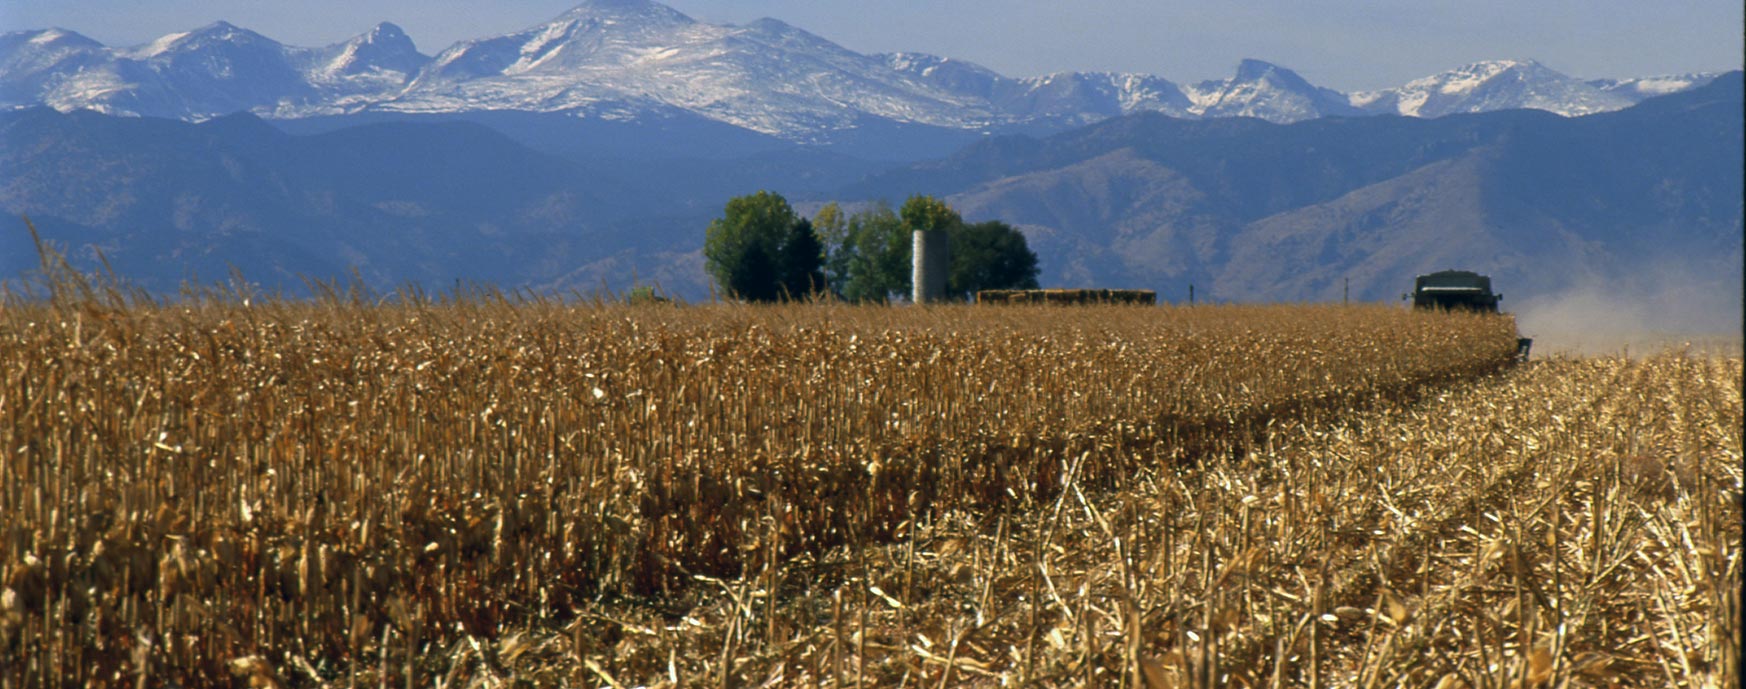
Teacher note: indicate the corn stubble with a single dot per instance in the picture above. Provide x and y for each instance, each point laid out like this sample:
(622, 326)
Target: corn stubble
(483, 491)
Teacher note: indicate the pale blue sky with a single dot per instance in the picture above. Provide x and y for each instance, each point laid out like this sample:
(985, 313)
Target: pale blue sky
(1344, 44)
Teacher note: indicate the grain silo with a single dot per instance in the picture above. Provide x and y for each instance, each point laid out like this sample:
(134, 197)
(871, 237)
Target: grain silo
(928, 274)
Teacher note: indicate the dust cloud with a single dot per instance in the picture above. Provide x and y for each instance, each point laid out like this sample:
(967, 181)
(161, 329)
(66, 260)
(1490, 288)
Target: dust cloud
(1638, 312)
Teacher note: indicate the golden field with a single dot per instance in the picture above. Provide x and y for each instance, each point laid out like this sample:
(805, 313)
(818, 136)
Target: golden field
(510, 492)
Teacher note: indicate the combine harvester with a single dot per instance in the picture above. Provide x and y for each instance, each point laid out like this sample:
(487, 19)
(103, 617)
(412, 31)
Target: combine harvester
(1461, 290)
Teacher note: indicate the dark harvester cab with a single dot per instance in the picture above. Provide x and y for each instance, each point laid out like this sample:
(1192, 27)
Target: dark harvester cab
(1461, 290)
(1454, 289)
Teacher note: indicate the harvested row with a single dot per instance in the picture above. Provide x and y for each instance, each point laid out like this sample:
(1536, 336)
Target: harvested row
(1573, 524)
(324, 487)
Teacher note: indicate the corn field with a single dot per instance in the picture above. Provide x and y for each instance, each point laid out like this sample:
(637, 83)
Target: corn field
(492, 491)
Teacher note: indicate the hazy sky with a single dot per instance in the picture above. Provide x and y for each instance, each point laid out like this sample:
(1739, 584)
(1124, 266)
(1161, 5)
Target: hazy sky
(1344, 44)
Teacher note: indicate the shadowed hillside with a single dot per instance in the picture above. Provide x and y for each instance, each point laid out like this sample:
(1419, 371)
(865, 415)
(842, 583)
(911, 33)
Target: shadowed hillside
(1249, 210)
(1242, 208)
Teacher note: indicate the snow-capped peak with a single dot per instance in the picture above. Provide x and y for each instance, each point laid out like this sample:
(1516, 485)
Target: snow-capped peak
(1492, 85)
(577, 37)
(218, 32)
(45, 41)
(1250, 69)
(216, 35)
(1466, 79)
(384, 47)
(385, 33)
(960, 76)
(50, 36)
(32, 62)
(615, 11)
(1267, 91)
(158, 46)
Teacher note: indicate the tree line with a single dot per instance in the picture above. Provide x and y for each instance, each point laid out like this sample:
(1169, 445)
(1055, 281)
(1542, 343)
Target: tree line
(762, 250)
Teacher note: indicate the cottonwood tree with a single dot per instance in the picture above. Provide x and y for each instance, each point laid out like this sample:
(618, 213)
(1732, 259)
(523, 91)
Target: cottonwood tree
(989, 255)
(760, 250)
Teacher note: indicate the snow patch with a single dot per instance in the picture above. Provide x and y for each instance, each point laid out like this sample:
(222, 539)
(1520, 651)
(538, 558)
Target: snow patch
(161, 45)
(1364, 99)
(1413, 104)
(1661, 86)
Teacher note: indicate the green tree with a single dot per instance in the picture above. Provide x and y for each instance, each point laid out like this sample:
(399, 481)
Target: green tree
(928, 214)
(832, 227)
(990, 255)
(742, 249)
(871, 260)
(874, 256)
(802, 261)
(830, 224)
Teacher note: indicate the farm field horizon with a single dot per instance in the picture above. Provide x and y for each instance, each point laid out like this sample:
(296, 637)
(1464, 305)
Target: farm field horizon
(493, 491)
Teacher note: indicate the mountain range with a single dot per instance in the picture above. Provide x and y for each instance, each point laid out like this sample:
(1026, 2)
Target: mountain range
(638, 60)
(1248, 210)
